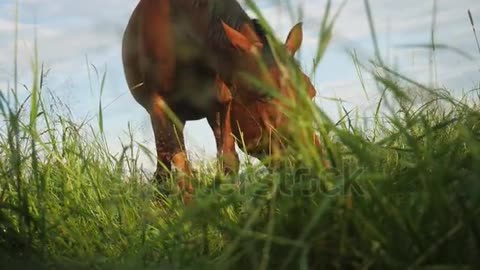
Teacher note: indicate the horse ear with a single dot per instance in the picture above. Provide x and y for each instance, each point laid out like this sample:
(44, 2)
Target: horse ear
(244, 42)
(294, 39)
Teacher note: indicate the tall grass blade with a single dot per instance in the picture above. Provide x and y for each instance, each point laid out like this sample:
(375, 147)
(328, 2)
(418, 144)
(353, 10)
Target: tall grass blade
(474, 30)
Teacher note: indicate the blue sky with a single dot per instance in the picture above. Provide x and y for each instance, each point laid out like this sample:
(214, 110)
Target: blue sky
(71, 30)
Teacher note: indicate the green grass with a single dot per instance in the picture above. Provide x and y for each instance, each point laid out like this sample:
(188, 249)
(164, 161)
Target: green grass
(404, 191)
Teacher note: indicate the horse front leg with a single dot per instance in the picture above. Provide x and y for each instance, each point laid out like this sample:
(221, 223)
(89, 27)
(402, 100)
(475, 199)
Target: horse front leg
(221, 124)
(170, 146)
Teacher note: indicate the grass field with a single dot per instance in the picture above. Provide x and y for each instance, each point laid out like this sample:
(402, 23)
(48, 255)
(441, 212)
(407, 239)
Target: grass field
(403, 191)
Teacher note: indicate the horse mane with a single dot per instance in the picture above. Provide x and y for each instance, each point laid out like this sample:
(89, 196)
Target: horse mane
(230, 12)
(262, 35)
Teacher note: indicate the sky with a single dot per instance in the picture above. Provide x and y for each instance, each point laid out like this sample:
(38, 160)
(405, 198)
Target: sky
(71, 33)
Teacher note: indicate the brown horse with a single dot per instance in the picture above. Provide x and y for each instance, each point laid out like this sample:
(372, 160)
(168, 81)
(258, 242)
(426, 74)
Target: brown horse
(188, 59)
